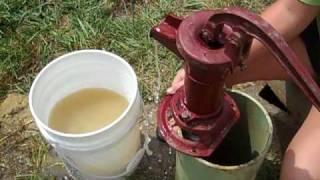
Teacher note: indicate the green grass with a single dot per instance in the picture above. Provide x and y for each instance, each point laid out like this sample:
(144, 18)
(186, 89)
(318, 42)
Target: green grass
(33, 32)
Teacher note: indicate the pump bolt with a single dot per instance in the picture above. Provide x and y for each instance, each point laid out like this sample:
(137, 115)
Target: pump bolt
(185, 115)
(205, 34)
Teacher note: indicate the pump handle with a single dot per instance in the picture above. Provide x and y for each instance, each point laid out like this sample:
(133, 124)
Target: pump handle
(244, 21)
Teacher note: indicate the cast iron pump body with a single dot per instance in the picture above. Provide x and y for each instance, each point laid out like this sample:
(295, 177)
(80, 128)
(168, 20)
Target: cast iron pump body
(197, 117)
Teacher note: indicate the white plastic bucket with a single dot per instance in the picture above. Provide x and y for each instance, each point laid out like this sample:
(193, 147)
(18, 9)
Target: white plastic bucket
(111, 152)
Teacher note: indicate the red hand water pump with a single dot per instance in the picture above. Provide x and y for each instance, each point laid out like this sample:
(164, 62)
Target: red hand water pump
(212, 43)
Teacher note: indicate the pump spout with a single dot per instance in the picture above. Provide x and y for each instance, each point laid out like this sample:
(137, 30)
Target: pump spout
(166, 32)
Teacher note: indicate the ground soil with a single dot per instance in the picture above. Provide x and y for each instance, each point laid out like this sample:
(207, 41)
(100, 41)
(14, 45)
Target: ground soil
(17, 137)
(24, 153)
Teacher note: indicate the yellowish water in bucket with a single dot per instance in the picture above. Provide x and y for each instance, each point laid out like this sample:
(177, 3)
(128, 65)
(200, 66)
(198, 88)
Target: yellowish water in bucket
(87, 110)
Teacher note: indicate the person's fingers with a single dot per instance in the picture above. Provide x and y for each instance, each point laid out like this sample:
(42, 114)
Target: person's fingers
(175, 87)
(177, 82)
(180, 76)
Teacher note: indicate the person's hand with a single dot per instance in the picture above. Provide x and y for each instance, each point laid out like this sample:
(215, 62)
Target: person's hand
(177, 82)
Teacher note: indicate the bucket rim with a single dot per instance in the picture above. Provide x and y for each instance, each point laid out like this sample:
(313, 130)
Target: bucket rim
(267, 145)
(61, 58)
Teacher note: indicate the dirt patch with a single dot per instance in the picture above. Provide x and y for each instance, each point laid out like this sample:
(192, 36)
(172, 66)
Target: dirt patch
(158, 166)
(17, 137)
(24, 153)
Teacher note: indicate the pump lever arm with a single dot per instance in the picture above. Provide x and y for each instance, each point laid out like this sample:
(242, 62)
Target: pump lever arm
(254, 26)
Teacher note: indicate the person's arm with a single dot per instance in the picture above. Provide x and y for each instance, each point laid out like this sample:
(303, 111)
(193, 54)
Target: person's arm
(290, 17)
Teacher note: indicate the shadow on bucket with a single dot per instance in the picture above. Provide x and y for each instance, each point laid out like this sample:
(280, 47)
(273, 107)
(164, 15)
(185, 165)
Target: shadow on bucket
(242, 152)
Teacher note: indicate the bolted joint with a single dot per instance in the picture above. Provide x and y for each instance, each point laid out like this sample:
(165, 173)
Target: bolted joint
(185, 115)
(207, 36)
(237, 47)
